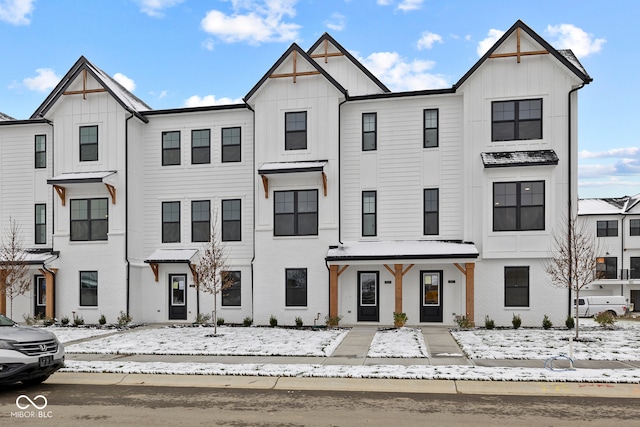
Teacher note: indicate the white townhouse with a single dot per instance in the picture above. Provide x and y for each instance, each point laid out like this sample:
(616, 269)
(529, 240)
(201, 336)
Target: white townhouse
(615, 223)
(333, 195)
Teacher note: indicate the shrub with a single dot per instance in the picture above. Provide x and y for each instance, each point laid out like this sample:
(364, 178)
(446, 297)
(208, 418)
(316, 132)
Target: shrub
(248, 321)
(605, 319)
(64, 320)
(399, 319)
(124, 319)
(331, 321)
(570, 323)
(220, 321)
(28, 319)
(299, 321)
(463, 322)
(48, 321)
(102, 320)
(78, 320)
(516, 321)
(489, 323)
(202, 318)
(273, 321)
(546, 322)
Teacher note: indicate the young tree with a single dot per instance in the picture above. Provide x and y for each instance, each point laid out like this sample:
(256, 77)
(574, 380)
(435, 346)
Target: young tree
(211, 272)
(573, 259)
(13, 268)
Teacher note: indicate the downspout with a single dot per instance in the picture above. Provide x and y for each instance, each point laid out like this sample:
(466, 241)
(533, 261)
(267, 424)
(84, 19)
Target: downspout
(254, 201)
(622, 258)
(126, 207)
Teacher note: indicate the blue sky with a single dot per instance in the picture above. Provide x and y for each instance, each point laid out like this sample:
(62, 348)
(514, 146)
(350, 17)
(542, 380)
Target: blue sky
(175, 53)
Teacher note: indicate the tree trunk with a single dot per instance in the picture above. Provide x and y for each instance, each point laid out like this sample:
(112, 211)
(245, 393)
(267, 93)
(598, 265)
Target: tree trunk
(577, 312)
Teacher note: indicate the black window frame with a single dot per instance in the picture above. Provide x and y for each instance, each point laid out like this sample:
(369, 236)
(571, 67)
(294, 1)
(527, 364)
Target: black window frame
(93, 225)
(517, 123)
(201, 153)
(40, 151)
(431, 216)
(296, 213)
(521, 209)
(87, 146)
(200, 220)
(231, 226)
(369, 136)
(168, 152)
(170, 226)
(607, 228)
(517, 278)
(429, 131)
(232, 296)
(369, 210)
(295, 139)
(40, 224)
(634, 227)
(607, 267)
(634, 267)
(294, 295)
(88, 292)
(231, 150)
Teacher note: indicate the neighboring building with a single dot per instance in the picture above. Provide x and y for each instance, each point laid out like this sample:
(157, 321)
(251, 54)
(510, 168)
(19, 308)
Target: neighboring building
(334, 196)
(615, 222)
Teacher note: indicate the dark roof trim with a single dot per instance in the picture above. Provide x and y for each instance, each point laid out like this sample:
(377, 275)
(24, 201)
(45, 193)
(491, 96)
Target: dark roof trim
(195, 109)
(23, 122)
(426, 92)
(346, 53)
(167, 261)
(506, 159)
(403, 257)
(294, 167)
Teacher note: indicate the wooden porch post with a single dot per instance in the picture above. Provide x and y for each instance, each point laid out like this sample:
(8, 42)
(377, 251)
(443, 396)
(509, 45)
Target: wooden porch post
(470, 278)
(50, 286)
(398, 276)
(333, 291)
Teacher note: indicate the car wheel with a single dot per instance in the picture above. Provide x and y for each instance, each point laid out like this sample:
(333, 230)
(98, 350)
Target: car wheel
(613, 313)
(35, 381)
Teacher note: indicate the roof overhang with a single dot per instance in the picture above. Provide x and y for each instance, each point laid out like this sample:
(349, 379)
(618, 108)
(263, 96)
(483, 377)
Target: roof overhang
(519, 158)
(406, 251)
(60, 182)
(34, 256)
(171, 256)
(276, 168)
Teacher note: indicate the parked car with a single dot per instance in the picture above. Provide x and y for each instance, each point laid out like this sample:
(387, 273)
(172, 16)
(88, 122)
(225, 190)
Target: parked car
(27, 354)
(590, 306)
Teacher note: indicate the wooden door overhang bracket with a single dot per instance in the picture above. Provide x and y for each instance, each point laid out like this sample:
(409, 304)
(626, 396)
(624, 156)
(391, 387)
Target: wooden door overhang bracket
(154, 268)
(112, 192)
(61, 193)
(265, 184)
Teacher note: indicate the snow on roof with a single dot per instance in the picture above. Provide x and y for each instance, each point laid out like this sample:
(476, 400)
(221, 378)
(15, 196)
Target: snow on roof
(597, 207)
(573, 59)
(284, 167)
(132, 101)
(79, 177)
(519, 158)
(5, 118)
(430, 249)
(171, 255)
(36, 256)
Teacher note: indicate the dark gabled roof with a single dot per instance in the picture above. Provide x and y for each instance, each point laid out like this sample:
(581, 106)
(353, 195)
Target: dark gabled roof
(345, 52)
(567, 59)
(4, 117)
(126, 99)
(194, 109)
(306, 57)
(519, 158)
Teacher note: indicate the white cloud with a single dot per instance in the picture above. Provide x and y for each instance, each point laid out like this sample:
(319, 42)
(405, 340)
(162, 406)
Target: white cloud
(16, 12)
(428, 39)
(400, 74)
(44, 81)
(208, 44)
(406, 5)
(125, 81)
(253, 22)
(568, 36)
(612, 153)
(485, 44)
(156, 8)
(197, 101)
(336, 22)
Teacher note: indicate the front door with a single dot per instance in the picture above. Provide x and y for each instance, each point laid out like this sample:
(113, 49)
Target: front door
(178, 297)
(368, 296)
(431, 296)
(40, 309)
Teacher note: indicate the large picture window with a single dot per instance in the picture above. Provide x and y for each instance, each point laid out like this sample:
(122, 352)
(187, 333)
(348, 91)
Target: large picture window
(606, 268)
(607, 228)
(430, 128)
(200, 220)
(516, 120)
(295, 130)
(296, 287)
(518, 206)
(296, 213)
(200, 147)
(231, 296)
(89, 219)
(40, 230)
(88, 143)
(516, 286)
(89, 288)
(431, 211)
(231, 143)
(369, 131)
(170, 222)
(40, 151)
(368, 213)
(231, 230)
(170, 148)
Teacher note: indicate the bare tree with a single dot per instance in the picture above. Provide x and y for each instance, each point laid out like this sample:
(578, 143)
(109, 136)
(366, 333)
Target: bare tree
(573, 260)
(13, 268)
(212, 271)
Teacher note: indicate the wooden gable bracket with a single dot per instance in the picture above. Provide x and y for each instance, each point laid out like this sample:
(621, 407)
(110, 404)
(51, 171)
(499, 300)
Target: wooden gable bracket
(326, 53)
(265, 184)
(84, 90)
(154, 268)
(324, 183)
(194, 273)
(295, 72)
(518, 53)
(112, 191)
(61, 193)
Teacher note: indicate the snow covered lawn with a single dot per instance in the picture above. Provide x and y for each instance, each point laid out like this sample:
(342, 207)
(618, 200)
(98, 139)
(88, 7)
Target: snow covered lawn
(403, 342)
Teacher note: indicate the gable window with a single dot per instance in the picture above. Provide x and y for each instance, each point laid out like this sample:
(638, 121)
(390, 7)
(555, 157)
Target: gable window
(607, 228)
(368, 213)
(88, 143)
(231, 296)
(634, 271)
(231, 145)
(431, 211)
(200, 147)
(40, 224)
(516, 120)
(296, 213)
(369, 131)
(295, 130)
(89, 288)
(170, 148)
(231, 231)
(516, 286)
(40, 151)
(634, 227)
(170, 222)
(296, 287)
(89, 219)
(607, 268)
(200, 220)
(518, 206)
(430, 128)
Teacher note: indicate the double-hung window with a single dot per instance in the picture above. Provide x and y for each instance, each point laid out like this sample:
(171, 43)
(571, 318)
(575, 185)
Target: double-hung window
(231, 294)
(369, 132)
(296, 213)
(88, 288)
(607, 228)
(516, 286)
(430, 128)
(88, 143)
(200, 220)
(40, 151)
(231, 140)
(368, 213)
(516, 120)
(431, 211)
(171, 148)
(518, 206)
(606, 268)
(295, 126)
(40, 224)
(89, 219)
(296, 287)
(170, 222)
(200, 147)
(634, 227)
(231, 230)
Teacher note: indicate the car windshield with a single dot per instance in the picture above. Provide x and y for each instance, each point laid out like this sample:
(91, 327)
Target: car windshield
(5, 321)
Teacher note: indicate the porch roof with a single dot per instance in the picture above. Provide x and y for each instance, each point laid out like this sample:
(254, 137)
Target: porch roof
(292, 167)
(171, 256)
(402, 250)
(79, 177)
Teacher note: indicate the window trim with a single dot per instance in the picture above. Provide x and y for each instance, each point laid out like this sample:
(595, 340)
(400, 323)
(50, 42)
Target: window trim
(425, 128)
(288, 132)
(231, 221)
(373, 214)
(89, 220)
(194, 222)
(374, 132)
(171, 149)
(164, 238)
(425, 211)
(237, 283)
(39, 225)
(306, 287)
(607, 230)
(519, 206)
(295, 212)
(516, 120)
(80, 296)
(223, 145)
(516, 286)
(88, 144)
(201, 147)
(40, 156)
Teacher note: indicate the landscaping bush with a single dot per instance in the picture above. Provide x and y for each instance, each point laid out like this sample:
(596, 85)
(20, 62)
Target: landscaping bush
(516, 321)
(605, 319)
(102, 320)
(202, 318)
(332, 321)
(64, 320)
(489, 323)
(78, 320)
(248, 321)
(463, 322)
(299, 321)
(570, 323)
(546, 322)
(124, 319)
(399, 319)
(273, 321)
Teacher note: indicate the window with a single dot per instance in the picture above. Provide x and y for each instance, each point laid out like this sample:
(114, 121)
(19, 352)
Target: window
(518, 206)
(606, 268)
(295, 131)
(88, 143)
(231, 296)
(368, 213)
(369, 131)
(40, 151)
(607, 228)
(170, 222)
(89, 288)
(170, 148)
(296, 213)
(296, 288)
(431, 208)
(634, 227)
(231, 230)
(516, 286)
(200, 147)
(516, 120)
(634, 271)
(89, 219)
(231, 145)
(430, 128)
(200, 220)
(40, 224)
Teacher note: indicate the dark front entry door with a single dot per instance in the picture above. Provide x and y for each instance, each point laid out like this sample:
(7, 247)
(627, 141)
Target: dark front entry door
(368, 296)
(431, 296)
(178, 297)
(40, 296)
